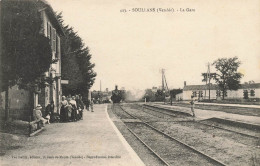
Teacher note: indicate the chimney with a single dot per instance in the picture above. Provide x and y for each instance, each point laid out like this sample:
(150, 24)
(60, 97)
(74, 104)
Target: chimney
(184, 83)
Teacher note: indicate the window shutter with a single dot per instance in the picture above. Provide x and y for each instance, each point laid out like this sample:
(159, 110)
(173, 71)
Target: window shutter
(252, 92)
(51, 37)
(54, 40)
(58, 47)
(48, 30)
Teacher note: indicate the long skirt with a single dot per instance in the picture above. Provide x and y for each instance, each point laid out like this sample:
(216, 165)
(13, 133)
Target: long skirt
(69, 114)
(74, 115)
(62, 114)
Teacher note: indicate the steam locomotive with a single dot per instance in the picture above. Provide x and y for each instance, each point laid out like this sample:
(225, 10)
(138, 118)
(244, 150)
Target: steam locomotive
(117, 95)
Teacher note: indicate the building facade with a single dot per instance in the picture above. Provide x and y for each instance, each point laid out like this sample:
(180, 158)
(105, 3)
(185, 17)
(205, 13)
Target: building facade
(51, 29)
(200, 92)
(21, 102)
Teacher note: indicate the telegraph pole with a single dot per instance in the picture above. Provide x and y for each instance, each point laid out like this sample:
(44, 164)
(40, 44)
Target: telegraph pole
(209, 77)
(100, 85)
(163, 79)
(164, 87)
(163, 91)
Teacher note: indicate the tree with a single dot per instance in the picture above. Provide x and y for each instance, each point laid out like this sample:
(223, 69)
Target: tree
(160, 95)
(173, 93)
(149, 95)
(26, 53)
(76, 63)
(227, 76)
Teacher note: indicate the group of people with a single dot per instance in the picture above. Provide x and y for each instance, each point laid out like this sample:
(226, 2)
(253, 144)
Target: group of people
(71, 109)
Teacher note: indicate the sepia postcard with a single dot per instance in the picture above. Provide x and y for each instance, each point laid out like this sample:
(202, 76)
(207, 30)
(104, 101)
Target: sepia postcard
(129, 82)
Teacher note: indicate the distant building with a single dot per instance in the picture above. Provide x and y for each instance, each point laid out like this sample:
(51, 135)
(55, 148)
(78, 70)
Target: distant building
(101, 96)
(154, 89)
(202, 92)
(179, 96)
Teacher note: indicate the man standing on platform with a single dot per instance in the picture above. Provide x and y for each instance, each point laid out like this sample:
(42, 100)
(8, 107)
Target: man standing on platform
(192, 105)
(91, 105)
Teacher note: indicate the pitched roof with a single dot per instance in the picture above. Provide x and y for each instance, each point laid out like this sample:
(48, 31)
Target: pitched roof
(254, 85)
(215, 87)
(200, 87)
(44, 5)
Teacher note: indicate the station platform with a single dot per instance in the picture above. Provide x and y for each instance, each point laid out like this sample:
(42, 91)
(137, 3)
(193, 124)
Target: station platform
(93, 141)
(219, 104)
(231, 105)
(206, 114)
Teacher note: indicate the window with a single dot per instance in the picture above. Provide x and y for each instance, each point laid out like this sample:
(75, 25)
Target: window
(225, 93)
(58, 47)
(48, 33)
(245, 94)
(194, 93)
(200, 93)
(50, 36)
(218, 93)
(48, 30)
(252, 92)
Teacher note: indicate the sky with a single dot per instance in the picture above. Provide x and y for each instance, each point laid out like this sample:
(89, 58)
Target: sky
(129, 48)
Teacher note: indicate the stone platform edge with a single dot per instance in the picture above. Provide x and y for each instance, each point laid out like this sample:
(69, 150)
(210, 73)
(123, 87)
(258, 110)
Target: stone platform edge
(132, 153)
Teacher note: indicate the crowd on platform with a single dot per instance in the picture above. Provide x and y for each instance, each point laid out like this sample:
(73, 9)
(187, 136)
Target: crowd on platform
(71, 110)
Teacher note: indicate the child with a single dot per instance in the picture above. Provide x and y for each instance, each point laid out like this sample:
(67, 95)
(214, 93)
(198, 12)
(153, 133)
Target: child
(48, 117)
(38, 114)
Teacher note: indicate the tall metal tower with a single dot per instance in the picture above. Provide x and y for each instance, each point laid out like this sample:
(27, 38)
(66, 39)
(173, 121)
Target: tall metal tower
(207, 77)
(162, 79)
(164, 82)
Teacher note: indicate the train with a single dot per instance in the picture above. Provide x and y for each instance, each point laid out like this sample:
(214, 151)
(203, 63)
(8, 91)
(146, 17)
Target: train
(118, 95)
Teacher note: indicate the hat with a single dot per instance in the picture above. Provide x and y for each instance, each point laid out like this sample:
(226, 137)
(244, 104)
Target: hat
(38, 107)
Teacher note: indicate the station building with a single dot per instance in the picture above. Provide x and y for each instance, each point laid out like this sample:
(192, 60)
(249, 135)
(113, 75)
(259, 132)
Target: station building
(201, 92)
(21, 102)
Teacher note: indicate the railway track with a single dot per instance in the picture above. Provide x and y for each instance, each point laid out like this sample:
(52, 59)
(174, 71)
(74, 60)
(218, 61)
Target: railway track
(236, 132)
(153, 108)
(169, 117)
(173, 112)
(163, 162)
(165, 113)
(120, 114)
(171, 148)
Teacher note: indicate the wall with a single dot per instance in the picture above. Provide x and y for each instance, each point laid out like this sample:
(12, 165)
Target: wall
(187, 94)
(238, 94)
(235, 94)
(213, 94)
(257, 93)
(20, 103)
(179, 96)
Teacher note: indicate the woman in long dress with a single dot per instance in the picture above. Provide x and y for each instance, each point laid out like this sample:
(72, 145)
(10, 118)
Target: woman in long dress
(63, 113)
